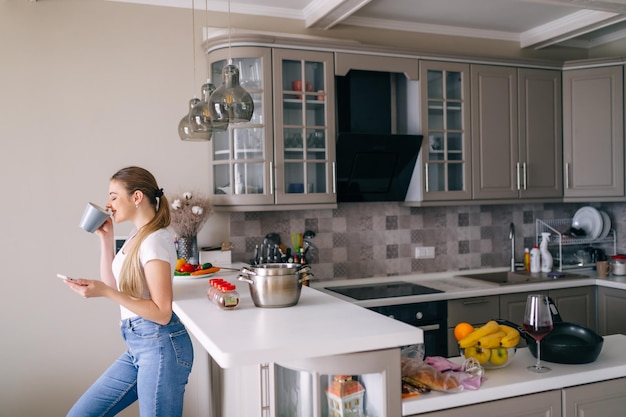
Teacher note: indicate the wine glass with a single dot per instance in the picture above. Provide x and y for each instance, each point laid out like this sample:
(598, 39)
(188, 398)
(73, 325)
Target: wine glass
(538, 323)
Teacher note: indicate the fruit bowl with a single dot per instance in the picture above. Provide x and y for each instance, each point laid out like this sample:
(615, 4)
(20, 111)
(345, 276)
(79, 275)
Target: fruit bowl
(492, 358)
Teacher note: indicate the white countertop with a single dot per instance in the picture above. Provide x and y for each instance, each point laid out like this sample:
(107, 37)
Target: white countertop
(319, 325)
(515, 380)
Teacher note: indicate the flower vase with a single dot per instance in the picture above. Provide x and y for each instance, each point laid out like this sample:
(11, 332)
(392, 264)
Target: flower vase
(188, 249)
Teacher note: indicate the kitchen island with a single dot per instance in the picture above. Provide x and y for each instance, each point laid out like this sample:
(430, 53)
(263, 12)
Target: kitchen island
(240, 353)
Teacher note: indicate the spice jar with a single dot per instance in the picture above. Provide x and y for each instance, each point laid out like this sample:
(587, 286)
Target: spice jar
(228, 297)
(618, 264)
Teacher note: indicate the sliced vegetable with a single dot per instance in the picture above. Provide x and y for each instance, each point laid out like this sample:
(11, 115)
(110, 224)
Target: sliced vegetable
(206, 265)
(211, 270)
(181, 274)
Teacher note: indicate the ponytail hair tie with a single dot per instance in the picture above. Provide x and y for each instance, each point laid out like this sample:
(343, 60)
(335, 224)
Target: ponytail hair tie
(158, 193)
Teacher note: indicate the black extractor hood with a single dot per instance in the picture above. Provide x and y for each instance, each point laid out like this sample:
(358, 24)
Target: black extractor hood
(375, 166)
(373, 162)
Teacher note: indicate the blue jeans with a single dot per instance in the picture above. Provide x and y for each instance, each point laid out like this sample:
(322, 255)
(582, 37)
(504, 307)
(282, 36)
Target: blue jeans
(154, 370)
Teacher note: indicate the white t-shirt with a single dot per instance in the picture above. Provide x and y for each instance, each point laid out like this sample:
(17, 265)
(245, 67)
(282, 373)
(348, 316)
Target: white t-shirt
(158, 245)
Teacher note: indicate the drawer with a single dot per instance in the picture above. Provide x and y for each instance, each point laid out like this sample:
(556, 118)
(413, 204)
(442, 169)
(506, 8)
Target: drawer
(475, 310)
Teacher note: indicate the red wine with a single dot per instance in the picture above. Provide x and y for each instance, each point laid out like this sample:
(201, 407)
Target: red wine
(538, 332)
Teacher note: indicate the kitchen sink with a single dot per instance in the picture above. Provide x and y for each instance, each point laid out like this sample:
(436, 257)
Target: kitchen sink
(522, 277)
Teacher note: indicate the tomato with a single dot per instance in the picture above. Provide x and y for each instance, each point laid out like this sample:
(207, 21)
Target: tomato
(187, 268)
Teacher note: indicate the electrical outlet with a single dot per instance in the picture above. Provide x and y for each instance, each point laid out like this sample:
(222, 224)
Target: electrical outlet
(425, 252)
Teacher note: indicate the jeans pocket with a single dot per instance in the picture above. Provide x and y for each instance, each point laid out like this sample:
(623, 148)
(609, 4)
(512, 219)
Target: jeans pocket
(145, 329)
(181, 343)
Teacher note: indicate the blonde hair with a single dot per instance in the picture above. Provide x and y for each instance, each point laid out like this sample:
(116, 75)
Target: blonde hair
(132, 279)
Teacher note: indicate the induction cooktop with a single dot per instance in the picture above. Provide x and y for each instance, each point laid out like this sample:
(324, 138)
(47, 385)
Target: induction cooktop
(383, 290)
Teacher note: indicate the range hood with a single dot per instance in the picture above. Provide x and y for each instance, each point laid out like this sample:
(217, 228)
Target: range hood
(375, 166)
(376, 155)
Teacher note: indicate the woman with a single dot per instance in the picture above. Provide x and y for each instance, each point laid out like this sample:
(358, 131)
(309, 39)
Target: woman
(155, 366)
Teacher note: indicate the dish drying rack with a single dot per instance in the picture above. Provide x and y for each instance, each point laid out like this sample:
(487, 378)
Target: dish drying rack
(558, 239)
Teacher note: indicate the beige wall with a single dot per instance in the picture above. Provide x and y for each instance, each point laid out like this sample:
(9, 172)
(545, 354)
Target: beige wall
(87, 87)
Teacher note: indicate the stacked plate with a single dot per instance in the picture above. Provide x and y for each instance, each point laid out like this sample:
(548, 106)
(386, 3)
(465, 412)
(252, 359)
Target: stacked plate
(595, 223)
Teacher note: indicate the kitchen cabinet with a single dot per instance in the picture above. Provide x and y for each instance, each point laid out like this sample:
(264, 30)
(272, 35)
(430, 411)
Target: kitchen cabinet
(444, 161)
(593, 133)
(476, 311)
(299, 388)
(600, 399)
(512, 306)
(544, 404)
(284, 158)
(516, 133)
(576, 305)
(611, 311)
(304, 134)
(241, 156)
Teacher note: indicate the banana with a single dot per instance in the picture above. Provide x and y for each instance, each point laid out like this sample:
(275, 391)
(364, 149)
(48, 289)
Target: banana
(471, 339)
(512, 337)
(491, 340)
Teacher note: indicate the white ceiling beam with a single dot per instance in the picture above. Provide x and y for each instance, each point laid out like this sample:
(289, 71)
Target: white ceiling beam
(568, 27)
(327, 13)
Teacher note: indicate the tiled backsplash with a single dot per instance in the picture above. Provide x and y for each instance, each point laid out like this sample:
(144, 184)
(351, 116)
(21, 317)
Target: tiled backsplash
(359, 240)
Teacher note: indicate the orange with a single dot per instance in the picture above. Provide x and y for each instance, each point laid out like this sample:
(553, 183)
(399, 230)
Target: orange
(462, 329)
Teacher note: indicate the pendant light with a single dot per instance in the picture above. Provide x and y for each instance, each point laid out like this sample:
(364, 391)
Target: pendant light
(185, 131)
(200, 118)
(201, 129)
(231, 103)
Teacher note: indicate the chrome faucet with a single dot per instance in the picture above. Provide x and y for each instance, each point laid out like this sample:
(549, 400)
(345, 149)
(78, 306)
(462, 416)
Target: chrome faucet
(514, 264)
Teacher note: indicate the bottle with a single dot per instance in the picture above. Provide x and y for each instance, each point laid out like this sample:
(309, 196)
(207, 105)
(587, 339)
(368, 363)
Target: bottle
(228, 297)
(546, 256)
(526, 259)
(535, 261)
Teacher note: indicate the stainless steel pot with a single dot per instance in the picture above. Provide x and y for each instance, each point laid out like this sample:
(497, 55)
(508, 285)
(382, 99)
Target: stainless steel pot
(275, 284)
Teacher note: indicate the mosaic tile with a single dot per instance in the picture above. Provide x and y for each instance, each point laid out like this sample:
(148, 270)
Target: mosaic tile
(362, 239)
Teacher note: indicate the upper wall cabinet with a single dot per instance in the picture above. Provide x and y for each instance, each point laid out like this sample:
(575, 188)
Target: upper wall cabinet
(593, 133)
(444, 172)
(516, 133)
(284, 158)
(304, 120)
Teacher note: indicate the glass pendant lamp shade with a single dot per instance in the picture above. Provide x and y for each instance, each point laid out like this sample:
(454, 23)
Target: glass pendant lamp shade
(231, 103)
(185, 130)
(200, 116)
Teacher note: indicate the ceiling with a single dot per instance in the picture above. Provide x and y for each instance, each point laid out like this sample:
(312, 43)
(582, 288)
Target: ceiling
(532, 23)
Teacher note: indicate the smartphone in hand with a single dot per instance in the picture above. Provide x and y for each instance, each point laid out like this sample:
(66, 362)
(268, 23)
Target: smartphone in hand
(65, 277)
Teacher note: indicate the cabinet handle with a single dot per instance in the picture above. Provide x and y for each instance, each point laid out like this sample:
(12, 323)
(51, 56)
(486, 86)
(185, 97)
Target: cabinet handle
(566, 175)
(426, 176)
(478, 301)
(517, 175)
(265, 390)
(334, 178)
(525, 176)
(271, 178)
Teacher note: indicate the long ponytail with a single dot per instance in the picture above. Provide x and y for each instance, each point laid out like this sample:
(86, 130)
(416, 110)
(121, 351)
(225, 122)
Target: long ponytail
(132, 278)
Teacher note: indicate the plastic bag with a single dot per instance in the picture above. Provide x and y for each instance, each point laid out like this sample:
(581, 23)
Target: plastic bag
(417, 372)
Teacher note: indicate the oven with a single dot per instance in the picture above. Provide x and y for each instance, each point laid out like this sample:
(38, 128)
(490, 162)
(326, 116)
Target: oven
(430, 316)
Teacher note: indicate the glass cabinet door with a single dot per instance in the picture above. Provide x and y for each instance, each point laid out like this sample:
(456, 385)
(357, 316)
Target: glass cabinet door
(445, 153)
(304, 116)
(358, 384)
(242, 155)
